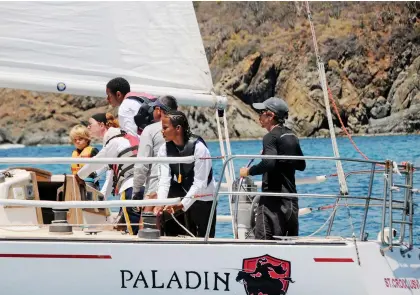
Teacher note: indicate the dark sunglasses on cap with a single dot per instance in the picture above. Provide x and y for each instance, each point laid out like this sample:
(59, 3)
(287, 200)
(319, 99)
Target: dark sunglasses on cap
(262, 112)
(161, 106)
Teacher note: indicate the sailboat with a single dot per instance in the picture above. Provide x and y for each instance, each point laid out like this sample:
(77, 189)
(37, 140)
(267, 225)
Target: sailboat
(53, 238)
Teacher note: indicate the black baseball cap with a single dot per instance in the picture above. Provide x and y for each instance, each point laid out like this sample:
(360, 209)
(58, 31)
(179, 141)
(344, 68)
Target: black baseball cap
(274, 104)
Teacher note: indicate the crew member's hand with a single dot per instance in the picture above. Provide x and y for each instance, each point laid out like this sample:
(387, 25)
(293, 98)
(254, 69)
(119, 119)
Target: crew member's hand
(152, 196)
(244, 172)
(172, 209)
(158, 210)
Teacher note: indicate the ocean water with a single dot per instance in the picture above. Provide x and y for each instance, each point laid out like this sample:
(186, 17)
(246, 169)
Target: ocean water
(347, 221)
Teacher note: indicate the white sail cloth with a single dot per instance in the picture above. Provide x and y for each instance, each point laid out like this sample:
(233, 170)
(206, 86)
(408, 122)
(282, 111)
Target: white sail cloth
(77, 47)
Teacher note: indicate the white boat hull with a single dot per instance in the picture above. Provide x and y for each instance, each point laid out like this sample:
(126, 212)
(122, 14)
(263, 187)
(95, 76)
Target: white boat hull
(112, 263)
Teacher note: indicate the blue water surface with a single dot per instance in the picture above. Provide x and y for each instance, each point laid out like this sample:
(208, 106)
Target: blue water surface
(396, 148)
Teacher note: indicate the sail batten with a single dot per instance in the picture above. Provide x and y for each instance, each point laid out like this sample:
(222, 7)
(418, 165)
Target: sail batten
(77, 47)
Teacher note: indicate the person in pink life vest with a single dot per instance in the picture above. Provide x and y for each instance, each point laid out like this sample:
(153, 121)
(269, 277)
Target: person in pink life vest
(119, 177)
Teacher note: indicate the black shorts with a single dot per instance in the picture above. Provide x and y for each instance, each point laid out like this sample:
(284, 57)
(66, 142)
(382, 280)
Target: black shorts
(132, 212)
(279, 218)
(195, 219)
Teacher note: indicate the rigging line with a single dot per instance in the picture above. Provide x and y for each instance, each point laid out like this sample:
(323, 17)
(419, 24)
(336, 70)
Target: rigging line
(228, 176)
(222, 148)
(325, 223)
(345, 129)
(183, 227)
(228, 146)
(353, 231)
(323, 80)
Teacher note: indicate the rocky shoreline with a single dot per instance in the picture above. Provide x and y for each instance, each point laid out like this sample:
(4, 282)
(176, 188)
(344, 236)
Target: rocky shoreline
(371, 54)
(42, 129)
(33, 118)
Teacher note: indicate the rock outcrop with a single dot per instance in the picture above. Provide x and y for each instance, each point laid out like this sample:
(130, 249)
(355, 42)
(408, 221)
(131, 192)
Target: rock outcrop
(371, 63)
(33, 118)
(370, 51)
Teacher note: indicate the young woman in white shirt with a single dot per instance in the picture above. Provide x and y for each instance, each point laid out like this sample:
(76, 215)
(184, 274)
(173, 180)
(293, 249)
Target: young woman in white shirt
(119, 177)
(194, 183)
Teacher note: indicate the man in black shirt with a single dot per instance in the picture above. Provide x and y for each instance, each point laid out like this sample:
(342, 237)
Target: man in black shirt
(277, 216)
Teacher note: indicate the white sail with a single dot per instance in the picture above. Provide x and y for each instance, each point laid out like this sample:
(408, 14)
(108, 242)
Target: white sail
(77, 47)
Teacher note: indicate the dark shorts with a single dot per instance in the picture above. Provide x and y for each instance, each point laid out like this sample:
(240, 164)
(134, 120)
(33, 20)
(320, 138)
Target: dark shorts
(198, 218)
(279, 218)
(195, 219)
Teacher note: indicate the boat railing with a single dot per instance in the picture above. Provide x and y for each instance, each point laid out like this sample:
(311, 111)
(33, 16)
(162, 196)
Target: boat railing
(389, 203)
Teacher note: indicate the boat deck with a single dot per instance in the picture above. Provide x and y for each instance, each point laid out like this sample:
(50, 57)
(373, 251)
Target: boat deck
(111, 236)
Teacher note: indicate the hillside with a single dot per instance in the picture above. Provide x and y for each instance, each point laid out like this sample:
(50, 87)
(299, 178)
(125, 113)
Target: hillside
(371, 53)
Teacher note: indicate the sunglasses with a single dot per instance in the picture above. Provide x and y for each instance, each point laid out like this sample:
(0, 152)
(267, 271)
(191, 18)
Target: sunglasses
(262, 112)
(161, 106)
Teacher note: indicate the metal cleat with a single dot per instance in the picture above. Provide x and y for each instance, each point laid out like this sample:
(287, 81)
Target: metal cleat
(405, 251)
(92, 231)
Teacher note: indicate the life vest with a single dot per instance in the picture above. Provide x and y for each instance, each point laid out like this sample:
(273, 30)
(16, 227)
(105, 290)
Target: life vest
(85, 153)
(144, 116)
(124, 171)
(185, 170)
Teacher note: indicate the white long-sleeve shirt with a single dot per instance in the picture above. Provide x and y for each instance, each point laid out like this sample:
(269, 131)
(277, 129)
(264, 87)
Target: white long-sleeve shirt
(107, 186)
(151, 140)
(126, 112)
(110, 150)
(201, 172)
